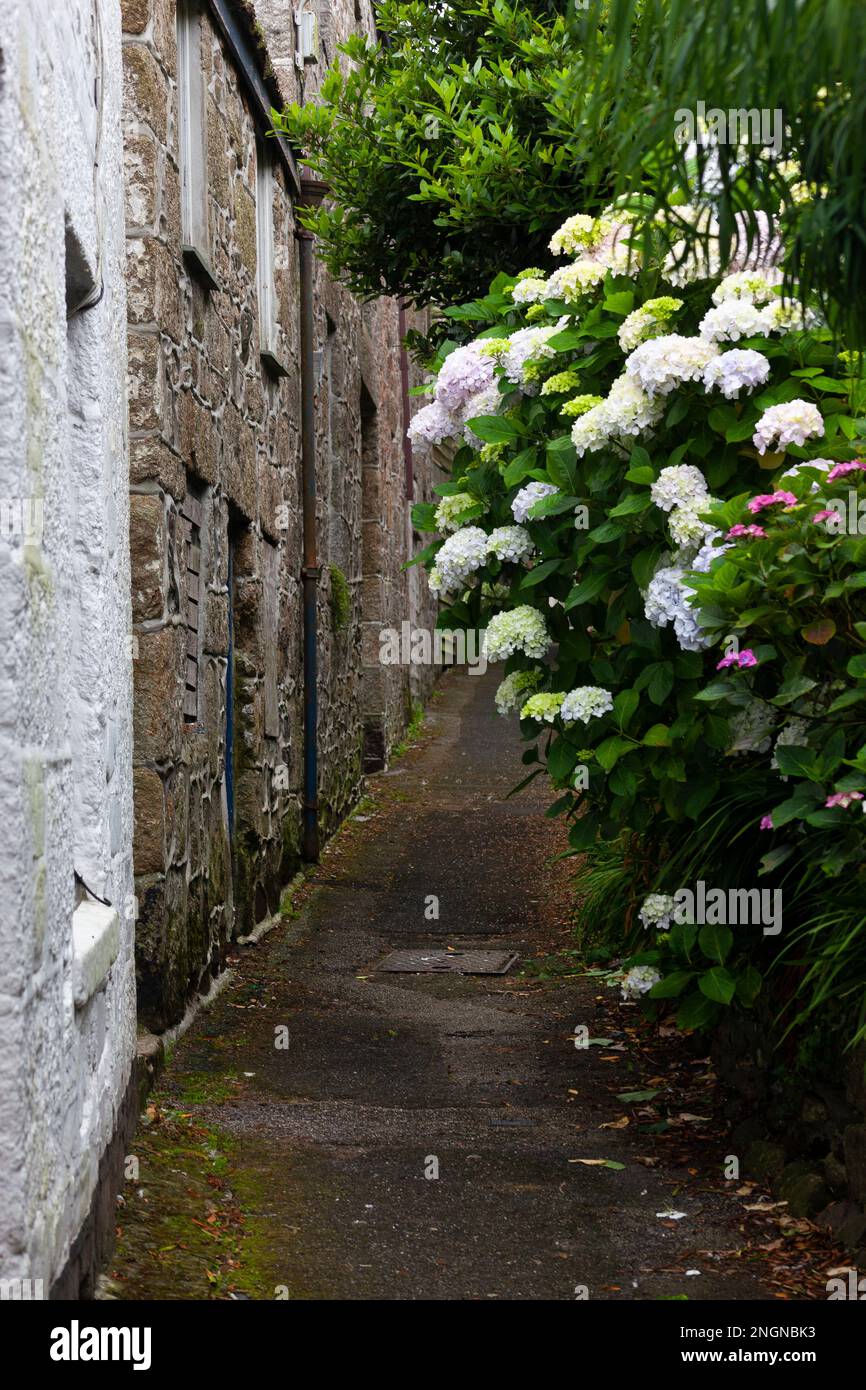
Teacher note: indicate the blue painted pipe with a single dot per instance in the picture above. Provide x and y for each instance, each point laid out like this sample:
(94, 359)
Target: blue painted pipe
(310, 570)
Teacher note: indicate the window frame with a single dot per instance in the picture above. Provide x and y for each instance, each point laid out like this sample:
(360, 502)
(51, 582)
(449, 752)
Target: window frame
(192, 143)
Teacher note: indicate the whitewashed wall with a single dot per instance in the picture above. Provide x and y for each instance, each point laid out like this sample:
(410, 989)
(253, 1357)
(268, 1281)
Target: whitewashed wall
(67, 998)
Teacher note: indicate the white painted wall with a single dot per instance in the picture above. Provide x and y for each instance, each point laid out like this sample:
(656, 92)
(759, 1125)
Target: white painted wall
(67, 989)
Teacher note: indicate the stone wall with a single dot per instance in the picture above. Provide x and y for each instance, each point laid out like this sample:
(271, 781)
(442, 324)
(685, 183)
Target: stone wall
(67, 1002)
(216, 541)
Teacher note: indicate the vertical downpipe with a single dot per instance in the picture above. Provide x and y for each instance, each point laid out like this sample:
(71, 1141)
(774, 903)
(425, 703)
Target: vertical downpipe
(312, 192)
(408, 465)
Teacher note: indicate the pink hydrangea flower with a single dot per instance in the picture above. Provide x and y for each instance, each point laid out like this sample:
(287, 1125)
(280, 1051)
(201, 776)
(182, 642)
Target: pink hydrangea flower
(739, 659)
(766, 823)
(843, 799)
(771, 499)
(850, 466)
(825, 515)
(757, 533)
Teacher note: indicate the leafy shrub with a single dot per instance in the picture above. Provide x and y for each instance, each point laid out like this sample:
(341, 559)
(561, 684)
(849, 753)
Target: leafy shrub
(622, 435)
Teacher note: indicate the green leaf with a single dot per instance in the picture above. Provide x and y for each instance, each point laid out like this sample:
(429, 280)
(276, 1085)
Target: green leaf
(610, 750)
(495, 429)
(587, 590)
(635, 502)
(715, 941)
(520, 467)
(749, 983)
(583, 832)
(624, 706)
(539, 573)
(659, 736)
(792, 689)
(672, 985)
(697, 1011)
(424, 516)
(561, 759)
(794, 761)
(635, 1097)
(718, 984)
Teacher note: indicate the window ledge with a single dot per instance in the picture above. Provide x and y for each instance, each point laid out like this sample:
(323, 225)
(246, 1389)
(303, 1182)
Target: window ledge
(95, 944)
(272, 363)
(198, 265)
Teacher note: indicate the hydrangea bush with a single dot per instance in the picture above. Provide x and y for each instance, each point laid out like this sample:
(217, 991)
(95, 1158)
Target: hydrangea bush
(654, 543)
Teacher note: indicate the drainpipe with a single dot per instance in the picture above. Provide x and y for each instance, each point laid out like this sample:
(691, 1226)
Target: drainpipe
(312, 192)
(408, 467)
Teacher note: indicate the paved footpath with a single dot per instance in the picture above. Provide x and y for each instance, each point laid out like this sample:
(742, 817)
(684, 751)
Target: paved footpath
(387, 1078)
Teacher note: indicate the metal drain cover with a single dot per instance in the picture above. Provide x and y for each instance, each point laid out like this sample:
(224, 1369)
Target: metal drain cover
(424, 962)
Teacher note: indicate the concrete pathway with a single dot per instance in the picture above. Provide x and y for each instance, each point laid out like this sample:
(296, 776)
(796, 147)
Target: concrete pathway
(389, 1078)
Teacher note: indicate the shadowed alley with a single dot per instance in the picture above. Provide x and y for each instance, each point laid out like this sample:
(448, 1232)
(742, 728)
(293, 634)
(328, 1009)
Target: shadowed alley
(329, 1138)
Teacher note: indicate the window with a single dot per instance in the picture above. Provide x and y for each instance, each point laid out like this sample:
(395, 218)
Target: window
(268, 322)
(192, 141)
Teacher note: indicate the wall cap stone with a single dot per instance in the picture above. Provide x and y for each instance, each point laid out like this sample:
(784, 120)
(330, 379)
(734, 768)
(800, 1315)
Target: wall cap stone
(95, 944)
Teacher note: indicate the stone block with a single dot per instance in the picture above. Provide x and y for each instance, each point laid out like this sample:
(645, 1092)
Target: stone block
(147, 545)
(151, 460)
(157, 706)
(140, 155)
(145, 94)
(149, 822)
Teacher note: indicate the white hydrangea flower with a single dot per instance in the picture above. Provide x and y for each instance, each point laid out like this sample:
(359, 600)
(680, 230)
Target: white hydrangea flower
(465, 371)
(731, 320)
(686, 527)
(579, 233)
(664, 363)
(461, 554)
(431, 425)
(543, 707)
(751, 728)
(637, 326)
(793, 422)
(657, 911)
(435, 582)
(486, 402)
(758, 287)
(511, 693)
(639, 980)
(530, 291)
(680, 485)
(626, 412)
(787, 316)
(450, 509)
(524, 346)
(510, 543)
(520, 629)
(647, 322)
(585, 703)
(665, 602)
(733, 370)
(527, 498)
(571, 282)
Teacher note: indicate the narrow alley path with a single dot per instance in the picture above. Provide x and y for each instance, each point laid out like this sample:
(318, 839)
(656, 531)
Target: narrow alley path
(318, 1150)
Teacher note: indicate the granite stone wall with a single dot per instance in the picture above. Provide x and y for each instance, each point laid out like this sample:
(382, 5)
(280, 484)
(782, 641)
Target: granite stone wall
(215, 467)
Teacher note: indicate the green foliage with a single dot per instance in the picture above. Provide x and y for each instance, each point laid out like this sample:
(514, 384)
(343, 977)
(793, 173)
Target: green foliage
(692, 755)
(341, 599)
(640, 64)
(437, 144)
